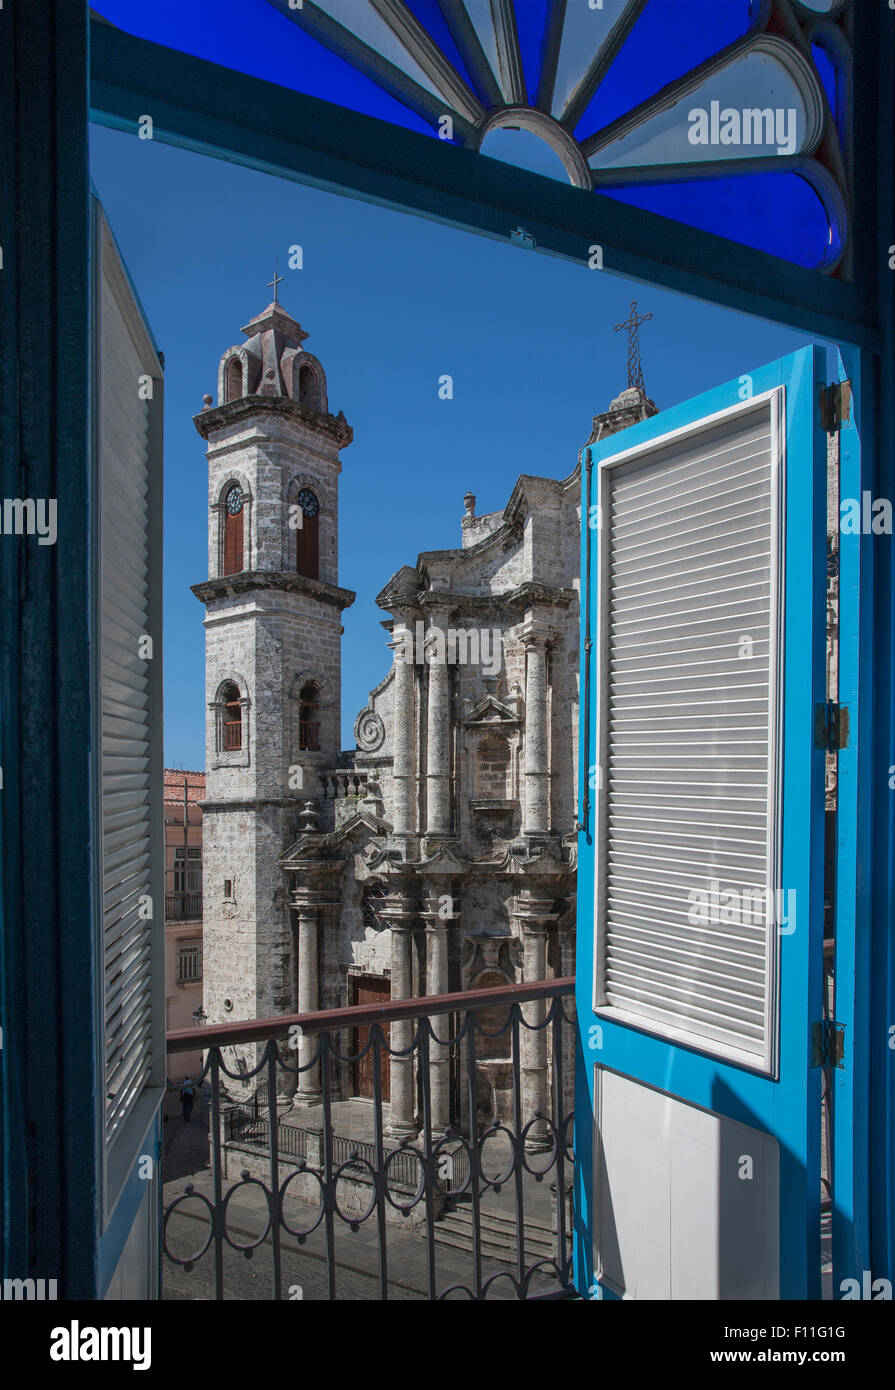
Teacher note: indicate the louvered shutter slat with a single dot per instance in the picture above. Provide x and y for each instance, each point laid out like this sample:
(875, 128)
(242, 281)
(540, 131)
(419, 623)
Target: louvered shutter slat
(125, 617)
(686, 738)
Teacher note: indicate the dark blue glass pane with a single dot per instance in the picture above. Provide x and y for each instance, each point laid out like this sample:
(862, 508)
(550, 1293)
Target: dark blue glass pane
(670, 38)
(777, 213)
(428, 12)
(531, 22)
(827, 73)
(250, 36)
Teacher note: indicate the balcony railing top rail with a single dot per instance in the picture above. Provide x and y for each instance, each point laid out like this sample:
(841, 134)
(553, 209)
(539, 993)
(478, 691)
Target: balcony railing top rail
(363, 1015)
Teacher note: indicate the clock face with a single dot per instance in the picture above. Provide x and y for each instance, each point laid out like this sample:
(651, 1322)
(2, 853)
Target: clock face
(233, 500)
(308, 502)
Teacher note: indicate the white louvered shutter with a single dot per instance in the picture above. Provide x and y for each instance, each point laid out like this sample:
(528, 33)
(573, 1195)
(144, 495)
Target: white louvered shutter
(687, 727)
(129, 700)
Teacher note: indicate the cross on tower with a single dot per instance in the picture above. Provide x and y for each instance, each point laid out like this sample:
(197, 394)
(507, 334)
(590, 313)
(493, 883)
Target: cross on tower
(276, 282)
(635, 366)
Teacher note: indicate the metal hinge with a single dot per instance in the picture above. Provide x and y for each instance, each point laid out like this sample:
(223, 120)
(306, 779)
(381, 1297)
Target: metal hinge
(827, 1044)
(835, 405)
(831, 726)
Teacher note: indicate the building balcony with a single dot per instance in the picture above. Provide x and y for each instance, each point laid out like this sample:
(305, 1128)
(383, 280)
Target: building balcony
(183, 907)
(418, 1149)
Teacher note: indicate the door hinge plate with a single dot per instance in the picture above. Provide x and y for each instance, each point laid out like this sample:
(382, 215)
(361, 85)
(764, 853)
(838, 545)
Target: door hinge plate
(831, 726)
(835, 405)
(828, 1044)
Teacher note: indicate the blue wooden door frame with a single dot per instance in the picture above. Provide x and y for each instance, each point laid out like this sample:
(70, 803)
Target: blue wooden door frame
(852, 901)
(47, 1075)
(786, 1106)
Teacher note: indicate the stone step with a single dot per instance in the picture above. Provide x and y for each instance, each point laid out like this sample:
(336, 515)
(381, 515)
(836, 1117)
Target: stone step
(497, 1216)
(502, 1251)
(497, 1234)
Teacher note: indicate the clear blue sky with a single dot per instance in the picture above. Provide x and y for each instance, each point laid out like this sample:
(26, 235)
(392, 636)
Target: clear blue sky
(391, 302)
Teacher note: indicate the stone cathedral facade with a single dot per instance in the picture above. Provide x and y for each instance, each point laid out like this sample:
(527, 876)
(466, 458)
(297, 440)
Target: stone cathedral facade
(439, 853)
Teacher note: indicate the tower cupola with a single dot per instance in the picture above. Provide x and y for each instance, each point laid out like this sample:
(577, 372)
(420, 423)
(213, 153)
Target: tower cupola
(272, 362)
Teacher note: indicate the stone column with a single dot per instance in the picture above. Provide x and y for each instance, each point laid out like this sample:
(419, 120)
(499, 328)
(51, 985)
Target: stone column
(536, 731)
(398, 913)
(438, 915)
(403, 802)
(308, 1091)
(438, 770)
(533, 916)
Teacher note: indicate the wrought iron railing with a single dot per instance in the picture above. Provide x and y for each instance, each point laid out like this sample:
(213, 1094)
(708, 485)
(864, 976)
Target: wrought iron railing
(182, 907)
(278, 1128)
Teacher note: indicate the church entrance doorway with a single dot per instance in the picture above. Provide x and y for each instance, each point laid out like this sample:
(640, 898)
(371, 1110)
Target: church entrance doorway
(370, 989)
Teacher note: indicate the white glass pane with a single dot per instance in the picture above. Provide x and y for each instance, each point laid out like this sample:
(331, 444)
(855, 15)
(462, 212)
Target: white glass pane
(583, 35)
(479, 12)
(752, 108)
(527, 151)
(360, 18)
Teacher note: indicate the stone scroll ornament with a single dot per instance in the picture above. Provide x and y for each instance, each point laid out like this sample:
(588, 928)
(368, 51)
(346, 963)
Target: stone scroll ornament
(369, 731)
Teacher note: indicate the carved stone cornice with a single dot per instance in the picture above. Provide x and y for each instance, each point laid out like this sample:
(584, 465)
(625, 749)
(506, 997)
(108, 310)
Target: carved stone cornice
(535, 632)
(517, 600)
(335, 427)
(533, 914)
(310, 898)
(489, 704)
(286, 581)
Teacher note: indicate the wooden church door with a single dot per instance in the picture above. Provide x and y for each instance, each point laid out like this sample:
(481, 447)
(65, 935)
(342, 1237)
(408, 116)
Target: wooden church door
(370, 989)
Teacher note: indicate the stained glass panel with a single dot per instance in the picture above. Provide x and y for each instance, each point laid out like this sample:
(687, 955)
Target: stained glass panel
(604, 69)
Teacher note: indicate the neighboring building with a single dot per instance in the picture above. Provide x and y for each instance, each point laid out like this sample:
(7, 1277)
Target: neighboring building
(440, 853)
(183, 909)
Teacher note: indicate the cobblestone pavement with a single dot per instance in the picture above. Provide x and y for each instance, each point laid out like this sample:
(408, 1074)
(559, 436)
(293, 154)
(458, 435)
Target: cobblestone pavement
(304, 1266)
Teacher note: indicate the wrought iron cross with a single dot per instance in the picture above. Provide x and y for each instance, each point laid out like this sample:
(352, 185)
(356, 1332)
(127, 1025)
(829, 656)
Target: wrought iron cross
(632, 324)
(276, 282)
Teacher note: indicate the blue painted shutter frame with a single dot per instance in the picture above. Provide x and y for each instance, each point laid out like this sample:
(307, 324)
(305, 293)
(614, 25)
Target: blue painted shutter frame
(674, 1006)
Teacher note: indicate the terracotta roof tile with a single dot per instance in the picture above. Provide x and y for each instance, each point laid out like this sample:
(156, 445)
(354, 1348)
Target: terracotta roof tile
(174, 780)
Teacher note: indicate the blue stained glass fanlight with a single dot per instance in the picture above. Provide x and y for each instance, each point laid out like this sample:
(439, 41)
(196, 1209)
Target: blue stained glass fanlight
(531, 26)
(609, 85)
(428, 14)
(666, 42)
(764, 207)
(826, 73)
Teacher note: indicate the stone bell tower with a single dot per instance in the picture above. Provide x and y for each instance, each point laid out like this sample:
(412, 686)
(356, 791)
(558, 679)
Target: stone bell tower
(272, 649)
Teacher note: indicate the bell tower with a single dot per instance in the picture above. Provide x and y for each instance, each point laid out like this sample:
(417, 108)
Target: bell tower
(273, 632)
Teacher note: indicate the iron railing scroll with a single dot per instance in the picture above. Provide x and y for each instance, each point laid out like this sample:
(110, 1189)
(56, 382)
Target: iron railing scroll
(317, 1183)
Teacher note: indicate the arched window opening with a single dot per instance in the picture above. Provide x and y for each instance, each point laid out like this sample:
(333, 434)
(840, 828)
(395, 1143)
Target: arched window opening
(491, 1020)
(307, 542)
(307, 387)
(233, 379)
(231, 725)
(308, 721)
(493, 769)
(372, 902)
(234, 513)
